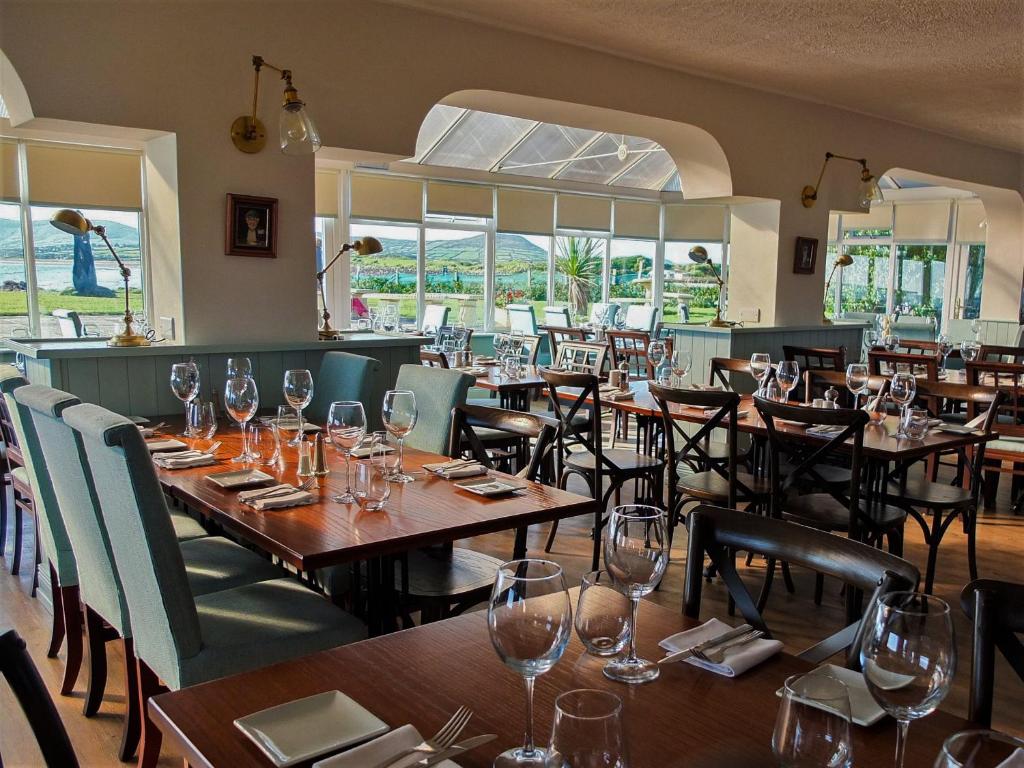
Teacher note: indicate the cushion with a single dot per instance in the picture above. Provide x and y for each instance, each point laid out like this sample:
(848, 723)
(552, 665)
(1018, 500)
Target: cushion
(214, 563)
(185, 528)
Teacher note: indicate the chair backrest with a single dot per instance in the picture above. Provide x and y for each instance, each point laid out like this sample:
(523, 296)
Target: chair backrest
(165, 623)
(587, 402)
(531, 346)
(600, 308)
(437, 392)
(522, 318)
(557, 335)
(557, 316)
(434, 316)
(527, 425)
(10, 380)
(1000, 354)
(78, 502)
(629, 347)
(720, 366)
(1009, 379)
(342, 376)
(641, 317)
(29, 689)
(446, 335)
(582, 357)
(997, 610)
(882, 363)
(817, 382)
(816, 358)
(433, 358)
(919, 347)
(70, 323)
(719, 532)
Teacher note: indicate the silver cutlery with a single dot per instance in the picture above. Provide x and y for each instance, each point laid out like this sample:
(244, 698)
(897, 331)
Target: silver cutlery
(304, 486)
(212, 449)
(717, 654)
(707, 645)
(440, 741)
(458, 749)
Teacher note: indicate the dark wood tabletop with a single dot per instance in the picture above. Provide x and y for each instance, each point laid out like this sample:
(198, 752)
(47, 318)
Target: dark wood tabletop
(429, 511)
(688, 717)
(496, 381)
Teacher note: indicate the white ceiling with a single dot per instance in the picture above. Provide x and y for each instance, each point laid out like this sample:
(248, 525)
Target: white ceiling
(952, 66)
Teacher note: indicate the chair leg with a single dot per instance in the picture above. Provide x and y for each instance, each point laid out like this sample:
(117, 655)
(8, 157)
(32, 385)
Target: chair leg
(933, 552)
(819, 587)
(57, 627)
(73, 635)
(766, 587)
(3, 512)
(787, 578)
(149, 747)
(35, 559)
(16, 554)
(131, 730)
(94, 632)
(971, 520)
(551, 536)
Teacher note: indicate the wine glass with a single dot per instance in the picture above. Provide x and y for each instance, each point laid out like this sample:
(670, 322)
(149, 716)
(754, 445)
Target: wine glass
(857, 381)
(239, 367)
(346, 426)
(902, 390)
(530, 620)
(587, 731)
(681, 362)
(635, 557)
(298, 392)
(185, 386)
(813, 725)
(459, 334)
(760, 364)
(909, 657)
(656, 354)
(978, 749)
(945, 346)
(391, 317)
(241, 399)
(969, 351)
(890, 342)
(788, 375)
(602, 615)
(399, 413)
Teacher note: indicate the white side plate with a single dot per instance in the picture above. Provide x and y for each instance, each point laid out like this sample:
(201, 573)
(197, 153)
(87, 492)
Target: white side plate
(863, 707)
(239, 478)
(488, 486)
(165, 445)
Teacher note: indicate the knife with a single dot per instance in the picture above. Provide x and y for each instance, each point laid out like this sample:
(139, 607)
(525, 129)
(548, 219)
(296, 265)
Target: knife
(458, 749)
(706, 645)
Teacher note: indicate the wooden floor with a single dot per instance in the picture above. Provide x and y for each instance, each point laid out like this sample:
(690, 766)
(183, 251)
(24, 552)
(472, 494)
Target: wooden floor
(794, 618)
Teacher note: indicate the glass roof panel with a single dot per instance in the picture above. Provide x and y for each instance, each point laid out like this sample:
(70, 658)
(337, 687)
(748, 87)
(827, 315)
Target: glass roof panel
(478, 141)
(601, 170)
(674, 184)
(437, 121)
(550, 144)
(648, 172)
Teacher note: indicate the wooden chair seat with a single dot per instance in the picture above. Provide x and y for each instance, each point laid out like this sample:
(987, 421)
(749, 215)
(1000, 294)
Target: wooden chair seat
(449, 573)
(831, 474)
(711, 486)
(624, 461)
(819, 510)
(920, 492)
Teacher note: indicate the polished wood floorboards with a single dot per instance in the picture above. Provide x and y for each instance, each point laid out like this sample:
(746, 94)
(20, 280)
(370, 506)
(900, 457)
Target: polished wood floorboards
(794, 618)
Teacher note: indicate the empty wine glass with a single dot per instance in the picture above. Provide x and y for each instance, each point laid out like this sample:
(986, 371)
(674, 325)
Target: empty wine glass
(185, 386)
(587, 731)
(969, 351)
(979, 749)
(788, 375)
(602, 615)
(681, 362)
(391, 317)
(945, 346)
(909, 657)
(399, 414)
(298, 392)
(760, 365)
(346, 426)
(239, 367)
(241, 399)
(902, 390)
(635, 557)
(529, 619)
(857, 380)
(656, 354)
(812, 729)
(459, 334)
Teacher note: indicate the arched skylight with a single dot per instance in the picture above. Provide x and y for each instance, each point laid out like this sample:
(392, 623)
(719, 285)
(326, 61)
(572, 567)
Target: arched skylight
(3, 108)
(484, 141)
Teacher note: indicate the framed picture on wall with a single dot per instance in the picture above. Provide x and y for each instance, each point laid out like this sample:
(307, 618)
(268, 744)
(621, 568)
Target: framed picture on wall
(251, 228)
(806, 256)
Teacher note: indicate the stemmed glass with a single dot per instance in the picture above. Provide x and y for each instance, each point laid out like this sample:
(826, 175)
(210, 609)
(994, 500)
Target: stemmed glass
(890, 342)
(185, 386)
(969, 351)
(298, 392)
(902, 390)
(346, 425)
(241, 399)
(399, 413)
(587, 732)
(239, 367)
(909, 657)
(813, 724)
(530, 620)
(857, 380)
(656, 354)
(681, 362)
(978, 749)
(945, 346)
(760, 364)
(635, 557)
(788, 375)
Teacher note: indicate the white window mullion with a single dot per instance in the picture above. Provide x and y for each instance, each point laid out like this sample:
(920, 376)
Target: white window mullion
(658, 268)
(490, 259)
(28, 244)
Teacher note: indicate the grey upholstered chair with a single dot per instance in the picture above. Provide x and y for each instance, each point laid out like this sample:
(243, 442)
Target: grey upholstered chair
(557, 316)
(437, 392)
(342, 376)
(179, 638)
(641, 317)
(434, 316)
(522, 318)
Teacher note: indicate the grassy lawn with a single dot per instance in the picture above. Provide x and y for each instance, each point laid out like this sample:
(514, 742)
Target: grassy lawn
(15, 303)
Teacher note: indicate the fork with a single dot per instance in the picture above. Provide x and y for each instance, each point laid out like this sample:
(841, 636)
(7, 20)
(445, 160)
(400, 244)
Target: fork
(304, 486)
(441, 740)
(717, 654)
(212, 449)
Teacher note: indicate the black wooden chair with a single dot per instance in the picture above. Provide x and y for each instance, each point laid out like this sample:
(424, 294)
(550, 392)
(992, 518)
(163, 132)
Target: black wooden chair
(24, 504)
(744, 382)
(719, 532)
(997, 610)
(817, 382)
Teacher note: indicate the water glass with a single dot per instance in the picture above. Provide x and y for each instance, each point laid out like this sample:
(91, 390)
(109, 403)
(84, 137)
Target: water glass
(969, 351)
(788, 376)
(772, 391)
(399, 414)
(202, 420)
(288, 424)
(346, 427)
(185, 386)
(264, 443)
(857, 380)
(298, 393)
(812, 729)
(681, 361)
(656, 354)
(242, 400)
(945, 346)
(978, 749)
(602, 615)
(239, 367)
(635, 556)
(909, 657)
(529, 619)
(891, 342)
(902, 390)
(373, 486)
(915, 424)
(587, 730)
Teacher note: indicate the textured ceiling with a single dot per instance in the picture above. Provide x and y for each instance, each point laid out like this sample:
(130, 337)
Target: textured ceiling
(952, 66)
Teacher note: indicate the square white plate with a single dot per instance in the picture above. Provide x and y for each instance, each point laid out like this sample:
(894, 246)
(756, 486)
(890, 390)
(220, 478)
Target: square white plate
(239, 478)
(168, 444)
(863, 707)
(302, 729)
(488, 486)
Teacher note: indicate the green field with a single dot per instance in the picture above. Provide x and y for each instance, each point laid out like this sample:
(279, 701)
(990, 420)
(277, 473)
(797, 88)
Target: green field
(13, 303)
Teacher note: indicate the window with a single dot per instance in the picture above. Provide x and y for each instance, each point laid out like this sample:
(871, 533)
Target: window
(520, 274)
(631, 280)
(14, 319)
(920, 279)
(831, 291)
(455, 273)
(690, 292)
(388, 277)
(972, 285)
(865, 283)
(579, 271)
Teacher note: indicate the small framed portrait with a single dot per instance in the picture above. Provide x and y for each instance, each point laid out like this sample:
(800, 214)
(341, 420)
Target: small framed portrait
(251, 226)
(806, 256)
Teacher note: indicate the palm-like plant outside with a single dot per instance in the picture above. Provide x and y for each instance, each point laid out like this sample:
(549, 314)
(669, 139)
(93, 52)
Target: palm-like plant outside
(579, 260)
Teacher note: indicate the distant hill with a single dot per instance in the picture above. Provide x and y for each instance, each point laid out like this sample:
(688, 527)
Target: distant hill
(466, 249)
(51, 242)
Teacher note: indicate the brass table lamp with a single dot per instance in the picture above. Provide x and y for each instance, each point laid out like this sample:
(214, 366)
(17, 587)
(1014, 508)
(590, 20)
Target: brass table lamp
(365, 247)
(699, 255)
(74, 223)
(842, 261)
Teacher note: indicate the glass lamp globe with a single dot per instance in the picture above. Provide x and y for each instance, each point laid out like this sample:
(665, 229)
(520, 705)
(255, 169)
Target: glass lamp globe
(299, 135)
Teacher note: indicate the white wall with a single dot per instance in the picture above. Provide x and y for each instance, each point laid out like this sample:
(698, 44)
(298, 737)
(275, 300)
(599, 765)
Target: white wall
(370, 73)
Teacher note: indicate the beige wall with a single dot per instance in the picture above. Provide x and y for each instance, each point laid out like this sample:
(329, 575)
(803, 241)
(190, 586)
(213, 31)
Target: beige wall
(369, 73)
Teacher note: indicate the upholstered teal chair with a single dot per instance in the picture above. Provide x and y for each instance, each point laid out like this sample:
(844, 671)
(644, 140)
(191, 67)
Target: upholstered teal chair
(342, 376)
(521, 317)
(434, 317)
(181, 639)
(437, 391)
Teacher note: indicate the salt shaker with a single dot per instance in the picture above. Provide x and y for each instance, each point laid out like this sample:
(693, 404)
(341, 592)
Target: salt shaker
(319, 456)
(624, 376)
(831, 397)
(305, 460)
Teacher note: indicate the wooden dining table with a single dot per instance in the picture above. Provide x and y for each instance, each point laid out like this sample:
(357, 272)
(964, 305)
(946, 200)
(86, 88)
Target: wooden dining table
(513, 393)
(689, 717)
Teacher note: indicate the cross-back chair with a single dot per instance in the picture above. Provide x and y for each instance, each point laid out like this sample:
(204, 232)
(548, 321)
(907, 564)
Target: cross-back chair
(433, 358)
(882, 363)
(582, 357)
(997, 610)
(722, 369)
(919, 347)
(993, 353)
(1008, 449)
(816, 358)
(816, 383)
(629, 347)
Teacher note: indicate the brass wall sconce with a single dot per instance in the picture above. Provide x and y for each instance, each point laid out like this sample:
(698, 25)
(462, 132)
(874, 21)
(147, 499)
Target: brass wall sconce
(699, 255)
(74, 223)
(365, 247)
(842, 262)
(298, 134)
(868, 187)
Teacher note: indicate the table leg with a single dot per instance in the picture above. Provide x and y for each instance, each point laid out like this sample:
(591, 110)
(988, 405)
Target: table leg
(380, 596)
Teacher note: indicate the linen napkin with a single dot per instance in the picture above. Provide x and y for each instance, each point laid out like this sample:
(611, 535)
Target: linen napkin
(739, 414)
(609, 392)
(183, 459)
(824, 430)
(706, 387)
(451, 470)
(280, 500)
(737, 660)
(380, 749)
(168, 444)
(364, 450)
(1015, 760)
(146, 431)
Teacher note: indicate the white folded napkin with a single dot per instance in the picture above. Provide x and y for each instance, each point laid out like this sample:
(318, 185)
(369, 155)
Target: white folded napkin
(475, 370)
(364, 450)
(279, 500)
(456, 470)
(713, 411)
(168, 444)
(380, 749)
(614, 393)
(146, 431)
(183, 459)
(1015, 760)
(706, 387)
(824, 430)
(737, 660)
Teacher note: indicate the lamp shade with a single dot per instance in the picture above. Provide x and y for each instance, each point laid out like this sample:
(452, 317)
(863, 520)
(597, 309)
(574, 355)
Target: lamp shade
(72, 222)
(367, 246)
(844, 260)
(698, 254)
(869, 191)
(299, 135)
